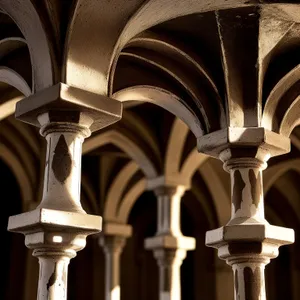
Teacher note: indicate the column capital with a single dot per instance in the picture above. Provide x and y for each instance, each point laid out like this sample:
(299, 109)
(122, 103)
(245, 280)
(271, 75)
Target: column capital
(120, 229)
(167, 257)
(249, 242)
(166, 183)
(170, 242)
(170, 191)
(236, 142)
(113, 236)
(112, 243)
(64, 103)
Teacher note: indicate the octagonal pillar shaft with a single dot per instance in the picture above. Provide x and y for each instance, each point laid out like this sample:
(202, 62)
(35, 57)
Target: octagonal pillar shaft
(62, 176)
(247, 197)
(249, 281)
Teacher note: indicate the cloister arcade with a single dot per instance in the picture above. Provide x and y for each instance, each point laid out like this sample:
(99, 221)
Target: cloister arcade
(185, 114)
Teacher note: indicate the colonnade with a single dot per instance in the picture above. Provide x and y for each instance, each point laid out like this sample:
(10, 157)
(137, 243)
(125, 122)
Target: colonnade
(58, 227)
(239, 96)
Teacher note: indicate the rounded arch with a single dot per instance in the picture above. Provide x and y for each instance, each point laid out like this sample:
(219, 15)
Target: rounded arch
(291, 118)
(284, 184)
(15, 80)
(282, 118)
(177, 139)
(25, 184)
(11, 77)
(115, 192)
(271, 174)
(193, 162)
(124, 143)
(129, 199)
(10, 44)
(24, 14)
(164, 99)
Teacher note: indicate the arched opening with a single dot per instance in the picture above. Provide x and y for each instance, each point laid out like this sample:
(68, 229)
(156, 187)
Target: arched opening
(279, 211)
(86, 272)
(139, 271)
(197, 270)
(12, 246)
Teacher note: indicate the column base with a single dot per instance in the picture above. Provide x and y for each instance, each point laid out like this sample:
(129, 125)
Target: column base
(248, 248)
(44, 227)
(245, 239)
(55, 236)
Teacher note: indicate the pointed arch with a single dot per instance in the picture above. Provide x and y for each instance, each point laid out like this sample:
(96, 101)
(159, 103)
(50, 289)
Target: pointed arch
(15, 80)
(26, 17)
(271, 174)
(176, 142)
(129, 199)
(283, 104)
(164, 99)
(115, 192)
(192, 162)
(125, 144)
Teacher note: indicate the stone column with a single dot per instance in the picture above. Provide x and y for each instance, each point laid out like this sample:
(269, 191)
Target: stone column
(113, 241)
(169, 245)
(58, 227)
(247, 242)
